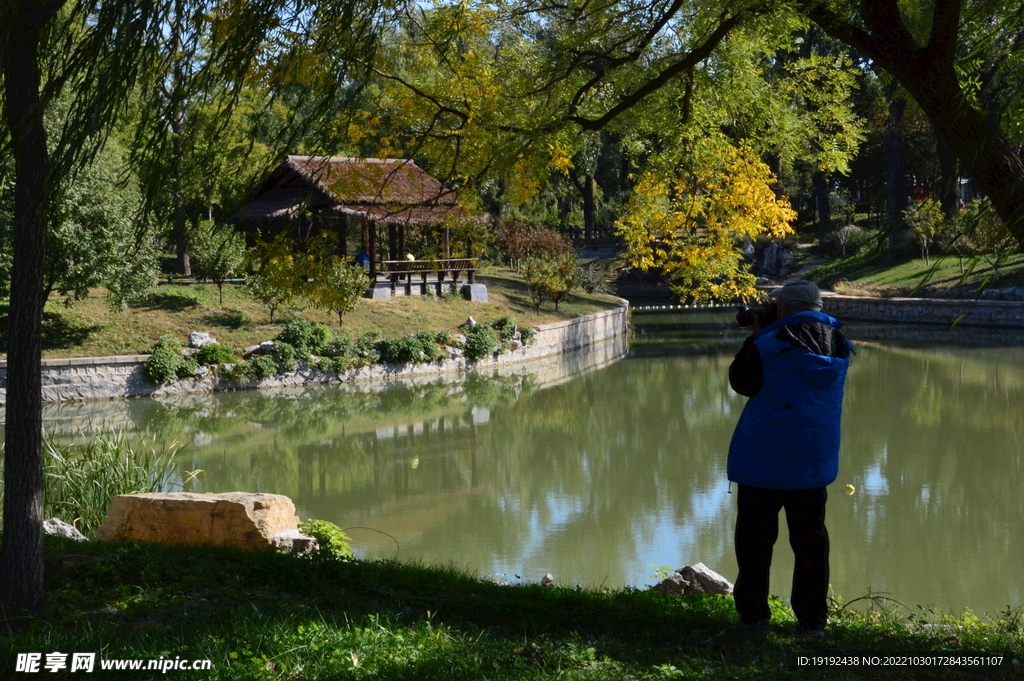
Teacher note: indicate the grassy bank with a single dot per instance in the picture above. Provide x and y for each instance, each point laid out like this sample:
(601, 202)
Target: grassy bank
(267, 616)
(90, 328)
(878, 275)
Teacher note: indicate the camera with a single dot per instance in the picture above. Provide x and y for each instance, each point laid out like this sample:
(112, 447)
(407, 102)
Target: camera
(746, 316)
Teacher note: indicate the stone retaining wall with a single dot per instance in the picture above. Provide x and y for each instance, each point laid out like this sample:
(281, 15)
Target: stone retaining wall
(984, 313)
(97, 378)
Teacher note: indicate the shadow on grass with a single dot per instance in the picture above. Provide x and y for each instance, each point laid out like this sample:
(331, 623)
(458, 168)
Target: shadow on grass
(231, 318)
(59, 332)
(171, 301)
(270, 616)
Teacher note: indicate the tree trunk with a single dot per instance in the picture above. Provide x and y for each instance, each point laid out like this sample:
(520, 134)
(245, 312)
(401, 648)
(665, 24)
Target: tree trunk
(929, 75)
(949, 176)
(589, 208)
(21, 561)
(821, 201)
(896, 153)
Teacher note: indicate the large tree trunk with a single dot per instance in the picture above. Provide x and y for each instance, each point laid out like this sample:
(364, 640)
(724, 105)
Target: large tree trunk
(949, 176)
(898, 191)
(21, 561)
(929, 75)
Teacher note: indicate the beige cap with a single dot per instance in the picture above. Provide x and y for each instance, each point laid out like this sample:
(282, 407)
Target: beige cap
(799, 291)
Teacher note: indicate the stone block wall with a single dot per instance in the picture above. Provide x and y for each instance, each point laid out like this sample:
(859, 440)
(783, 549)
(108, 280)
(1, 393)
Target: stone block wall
(983, 313)
(97, 378)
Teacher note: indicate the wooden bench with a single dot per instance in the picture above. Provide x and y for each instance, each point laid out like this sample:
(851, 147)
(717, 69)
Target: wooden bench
(404, 270)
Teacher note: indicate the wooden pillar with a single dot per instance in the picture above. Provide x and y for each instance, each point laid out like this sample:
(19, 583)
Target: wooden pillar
(365, 236)
(371, 238)
(343, 236)
(393, 243)
(402, 248)
(447, 245)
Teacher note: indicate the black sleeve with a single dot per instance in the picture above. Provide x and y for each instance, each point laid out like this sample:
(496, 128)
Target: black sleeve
(746, 373)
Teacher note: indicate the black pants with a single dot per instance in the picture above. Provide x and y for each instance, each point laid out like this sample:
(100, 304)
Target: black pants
(757, 528)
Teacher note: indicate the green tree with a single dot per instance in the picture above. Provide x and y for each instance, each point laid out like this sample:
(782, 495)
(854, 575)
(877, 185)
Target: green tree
(219, 252)
(926, 221)
(99, 53)
(337, 285)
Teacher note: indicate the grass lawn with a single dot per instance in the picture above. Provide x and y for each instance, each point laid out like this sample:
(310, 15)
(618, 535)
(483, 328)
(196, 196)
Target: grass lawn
(871, 274)
(90, 328)
(267, 616)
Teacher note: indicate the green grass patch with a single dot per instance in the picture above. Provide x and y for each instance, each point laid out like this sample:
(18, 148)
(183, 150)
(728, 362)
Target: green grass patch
(267, 616)
(90, 328)
(880, 274)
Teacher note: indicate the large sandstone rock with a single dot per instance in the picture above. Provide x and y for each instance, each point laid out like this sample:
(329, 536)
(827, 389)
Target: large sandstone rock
(238, 519)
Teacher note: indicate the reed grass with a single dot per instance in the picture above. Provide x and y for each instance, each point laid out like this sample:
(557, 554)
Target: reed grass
(80, 480)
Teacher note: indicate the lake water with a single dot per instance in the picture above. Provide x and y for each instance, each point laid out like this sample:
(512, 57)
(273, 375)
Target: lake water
(597, 469)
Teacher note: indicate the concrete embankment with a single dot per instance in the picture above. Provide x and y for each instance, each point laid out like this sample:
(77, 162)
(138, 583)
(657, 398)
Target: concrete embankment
(1001, 314)
(98, 378)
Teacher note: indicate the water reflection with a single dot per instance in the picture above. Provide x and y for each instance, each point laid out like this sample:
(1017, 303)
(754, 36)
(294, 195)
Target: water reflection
(595, 469)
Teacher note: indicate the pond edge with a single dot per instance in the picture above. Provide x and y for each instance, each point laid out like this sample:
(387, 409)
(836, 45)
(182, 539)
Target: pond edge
(118, 377)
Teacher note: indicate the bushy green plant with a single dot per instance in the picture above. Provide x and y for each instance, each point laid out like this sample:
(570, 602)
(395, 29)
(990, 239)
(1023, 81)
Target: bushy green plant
(306, 336)
(593, 278)
(527, 334)
(481, 341)
(445, 338)
(505, 326)
(167, 362)
(550, 278)
(288, 356)
(429, 349)
(214, 354)
(334, 543)
(366, 347)
(263, 366)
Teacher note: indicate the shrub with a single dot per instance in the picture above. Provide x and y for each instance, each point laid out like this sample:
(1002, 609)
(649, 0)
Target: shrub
(408, 349)
(445, 338)
(593, 278)
(516, 241)
(429, 348)
(263, 366)
(527, 334)
(288, 356)
(305, 336)
(551, 278)
(214, 354)
(167, 362)
(334, 543)
(366, 347)
(481, 341)
(505, 326)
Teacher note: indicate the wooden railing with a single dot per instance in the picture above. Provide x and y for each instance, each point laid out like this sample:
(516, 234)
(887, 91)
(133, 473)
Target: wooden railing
(396, 271)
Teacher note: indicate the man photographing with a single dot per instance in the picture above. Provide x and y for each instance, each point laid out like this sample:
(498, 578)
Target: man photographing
(784, 451)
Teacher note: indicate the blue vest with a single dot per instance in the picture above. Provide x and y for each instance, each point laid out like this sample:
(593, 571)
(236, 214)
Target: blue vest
(788, 434)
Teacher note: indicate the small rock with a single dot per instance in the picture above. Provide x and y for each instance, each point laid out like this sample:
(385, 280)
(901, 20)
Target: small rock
(198, 339)
(547, 580)
(762, 281)
(674, 585)
(264, 348)
(55, 527)
(693, 579)
(453, 352)
(294, 542)
(514, 345)
(469, 322)
(460, 337)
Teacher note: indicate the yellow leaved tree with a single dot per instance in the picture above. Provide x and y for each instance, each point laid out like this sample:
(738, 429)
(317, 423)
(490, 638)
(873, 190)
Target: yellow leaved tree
(690, 223)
